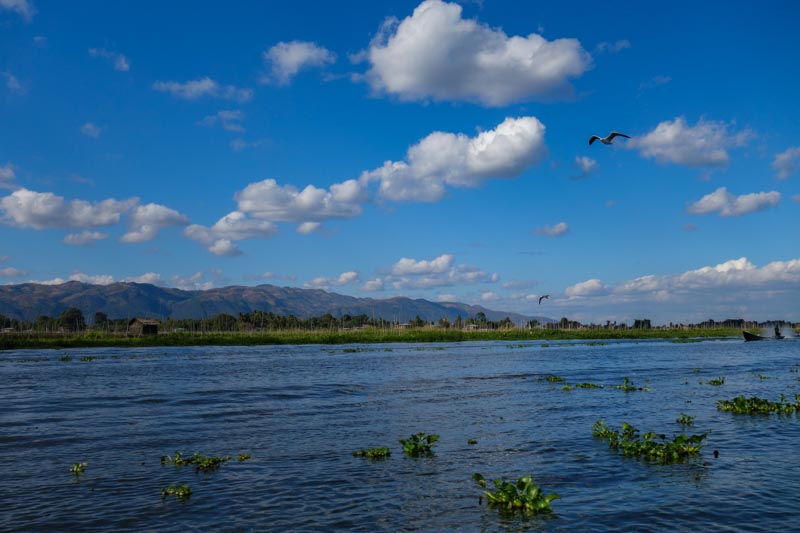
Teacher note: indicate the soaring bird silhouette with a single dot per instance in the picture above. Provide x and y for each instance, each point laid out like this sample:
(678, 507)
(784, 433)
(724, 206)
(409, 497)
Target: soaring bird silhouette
(607, 140)
(542, 298)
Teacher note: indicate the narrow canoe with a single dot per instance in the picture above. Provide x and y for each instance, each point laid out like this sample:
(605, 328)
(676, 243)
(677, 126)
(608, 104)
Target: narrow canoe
(753, 337)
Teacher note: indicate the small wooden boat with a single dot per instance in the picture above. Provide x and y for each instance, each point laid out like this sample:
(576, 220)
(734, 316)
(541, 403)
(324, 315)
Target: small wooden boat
(753, 337)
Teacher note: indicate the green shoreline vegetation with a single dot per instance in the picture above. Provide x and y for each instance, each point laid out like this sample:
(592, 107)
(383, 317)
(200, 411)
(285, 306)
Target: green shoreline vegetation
(95, 339)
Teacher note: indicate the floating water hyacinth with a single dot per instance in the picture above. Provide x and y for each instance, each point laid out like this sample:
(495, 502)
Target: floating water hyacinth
(419, 444)
(755, 405)
(179, 491)
(373, 453)
(651, 446)
(522, 496)
(78, 468)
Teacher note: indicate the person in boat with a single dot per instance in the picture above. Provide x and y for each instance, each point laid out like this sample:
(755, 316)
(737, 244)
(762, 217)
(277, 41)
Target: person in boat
(777, 331)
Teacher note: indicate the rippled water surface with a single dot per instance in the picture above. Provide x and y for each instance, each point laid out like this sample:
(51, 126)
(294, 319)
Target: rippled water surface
(301, 411)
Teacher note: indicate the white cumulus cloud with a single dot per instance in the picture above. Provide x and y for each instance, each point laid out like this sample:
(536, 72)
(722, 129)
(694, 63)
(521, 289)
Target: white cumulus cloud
(203, 87)
(406, 266)
(148, 220)
(409, 273)
(729, 205)
(345, 278)
(149, 277)
(591, 287)
(786, 162)
(11, 272)
(457, 160)
(436, 54)
(39, 210)
(705, 144)
(286, 59)
(235, 226)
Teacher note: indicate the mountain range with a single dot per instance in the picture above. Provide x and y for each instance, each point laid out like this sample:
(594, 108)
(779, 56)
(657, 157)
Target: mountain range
(28, 301)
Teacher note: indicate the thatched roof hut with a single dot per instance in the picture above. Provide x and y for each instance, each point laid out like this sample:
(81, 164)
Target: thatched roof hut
(143, 326)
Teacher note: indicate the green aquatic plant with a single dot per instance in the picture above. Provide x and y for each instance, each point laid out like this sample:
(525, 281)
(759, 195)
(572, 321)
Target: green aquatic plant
(65, 358)
(200, 462)
(716, 382)
(78, 468)
(87, 358)
(755, 405)
(373, 453)
(761, 376)
(419, 444)
(552, 378)
(181, 492)
(685, 419)
(522, 496)
(629, 386)
(650, 446)
(472, 441)
(566, 388)
(588, 386)
(243, 457)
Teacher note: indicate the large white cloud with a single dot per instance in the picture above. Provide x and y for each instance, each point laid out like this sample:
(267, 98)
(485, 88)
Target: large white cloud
(286, 59)
(39, 210)
(148, 220)
(457, 160)
(203, 87)
(436, 54)
(729, 205)
(408, 273)
(705, 144)
(235, 226)
(23, 8)
(268, 200)
(786, 162)
(345, 278)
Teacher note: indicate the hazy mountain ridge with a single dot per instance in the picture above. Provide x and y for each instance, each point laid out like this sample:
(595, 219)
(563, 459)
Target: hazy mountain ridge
(28, 301)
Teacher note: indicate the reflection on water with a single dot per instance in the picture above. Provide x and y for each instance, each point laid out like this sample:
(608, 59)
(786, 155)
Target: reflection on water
(301, 412)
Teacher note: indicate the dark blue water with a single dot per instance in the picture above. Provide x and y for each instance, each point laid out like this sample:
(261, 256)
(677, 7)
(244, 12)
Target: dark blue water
(301, 411)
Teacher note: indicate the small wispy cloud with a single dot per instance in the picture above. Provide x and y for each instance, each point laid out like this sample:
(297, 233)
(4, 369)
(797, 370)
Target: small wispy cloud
(286, 59)
(117, 60)
(585, 166)
(655, 81)
(562, 228)
(23, 8)
(91, 130)
(612, 48)
(85, 237)
(229, 119)
(238, 144)
(12, 83)
(202, 88)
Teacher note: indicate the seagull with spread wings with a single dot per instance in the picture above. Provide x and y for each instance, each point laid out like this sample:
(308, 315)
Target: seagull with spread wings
(542, 298)
(607, 140)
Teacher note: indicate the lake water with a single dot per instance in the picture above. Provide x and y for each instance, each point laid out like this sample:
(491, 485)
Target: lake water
(301, 411)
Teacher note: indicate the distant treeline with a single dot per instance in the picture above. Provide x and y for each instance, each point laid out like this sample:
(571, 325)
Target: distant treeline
(72, 320)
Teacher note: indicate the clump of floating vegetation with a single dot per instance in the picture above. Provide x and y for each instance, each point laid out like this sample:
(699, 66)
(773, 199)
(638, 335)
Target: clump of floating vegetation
(552, 378)
(761, 376)
(78, 468)
(566, 388)
(755, 405)
(596, 343)
(685, 419)
(522, 496)
(181, 492)
(65, 358)
(243, 457)
(588, 386)
(716, 382)
(629, 386)
(631, 444)
(86, 358)
(419, 444)
(472, 441)
(354, 350)
(373, 453)
(200, 462)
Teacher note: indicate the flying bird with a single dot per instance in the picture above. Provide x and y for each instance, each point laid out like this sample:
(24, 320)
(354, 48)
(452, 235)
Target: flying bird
(542, 298)
(607, 140)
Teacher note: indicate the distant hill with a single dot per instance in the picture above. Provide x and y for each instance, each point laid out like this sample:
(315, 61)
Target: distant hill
(28, 301)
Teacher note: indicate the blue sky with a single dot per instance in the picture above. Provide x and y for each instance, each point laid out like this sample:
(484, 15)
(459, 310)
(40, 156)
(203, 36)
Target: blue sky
(434, 150)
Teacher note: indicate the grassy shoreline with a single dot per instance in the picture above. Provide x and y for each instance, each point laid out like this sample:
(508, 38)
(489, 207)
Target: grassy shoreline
(366, 336)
